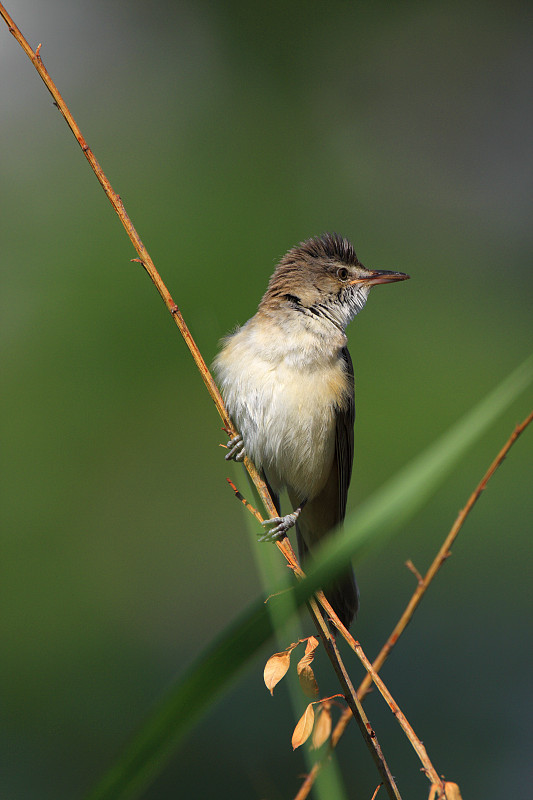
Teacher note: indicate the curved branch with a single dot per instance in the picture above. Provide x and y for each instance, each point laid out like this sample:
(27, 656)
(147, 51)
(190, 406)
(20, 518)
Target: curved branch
(423, 585)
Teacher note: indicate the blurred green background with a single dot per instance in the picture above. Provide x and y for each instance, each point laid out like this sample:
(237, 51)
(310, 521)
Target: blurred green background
(232, 131)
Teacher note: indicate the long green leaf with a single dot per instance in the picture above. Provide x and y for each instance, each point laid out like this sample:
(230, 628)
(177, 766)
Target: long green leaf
(384, 512)
(272, 570)
(397, 500)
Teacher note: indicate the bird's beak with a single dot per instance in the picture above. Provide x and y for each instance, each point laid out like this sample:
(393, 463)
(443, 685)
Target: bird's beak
(376, 276)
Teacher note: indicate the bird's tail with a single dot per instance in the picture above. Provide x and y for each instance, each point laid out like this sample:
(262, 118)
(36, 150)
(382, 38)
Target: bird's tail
(342, 593)
(343, 596)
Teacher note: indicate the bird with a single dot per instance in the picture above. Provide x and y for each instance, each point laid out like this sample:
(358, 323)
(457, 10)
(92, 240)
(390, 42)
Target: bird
(287, 380)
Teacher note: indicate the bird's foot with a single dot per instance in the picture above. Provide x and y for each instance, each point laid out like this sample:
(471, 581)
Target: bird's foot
(281, 526)
(236, 451)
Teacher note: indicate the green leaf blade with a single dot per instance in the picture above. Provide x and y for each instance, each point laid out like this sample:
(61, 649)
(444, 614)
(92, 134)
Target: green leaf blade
(218, 667)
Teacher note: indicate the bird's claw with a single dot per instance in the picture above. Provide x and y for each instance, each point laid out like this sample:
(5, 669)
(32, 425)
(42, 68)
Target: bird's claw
(236, 451)
(281, 526)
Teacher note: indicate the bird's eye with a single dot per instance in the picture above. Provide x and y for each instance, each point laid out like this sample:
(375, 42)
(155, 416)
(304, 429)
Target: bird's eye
(342, 274)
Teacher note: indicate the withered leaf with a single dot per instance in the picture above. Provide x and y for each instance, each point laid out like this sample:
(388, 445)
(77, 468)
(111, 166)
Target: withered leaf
(304, 727)
(322, 730)
(276, 668)
(311, 646)
(308, 681)
(452, 791)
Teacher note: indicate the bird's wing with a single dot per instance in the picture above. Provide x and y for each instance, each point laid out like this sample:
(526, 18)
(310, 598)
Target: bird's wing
(323, 513)
(344, 436)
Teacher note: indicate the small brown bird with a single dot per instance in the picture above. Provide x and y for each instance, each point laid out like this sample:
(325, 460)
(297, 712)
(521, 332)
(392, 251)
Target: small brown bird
(287, 380)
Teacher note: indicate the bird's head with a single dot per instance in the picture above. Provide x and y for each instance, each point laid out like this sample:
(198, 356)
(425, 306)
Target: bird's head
(322, 277)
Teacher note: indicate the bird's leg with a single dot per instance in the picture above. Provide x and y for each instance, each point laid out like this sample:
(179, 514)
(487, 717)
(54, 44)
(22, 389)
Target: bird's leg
(236, 451)
(281, 525)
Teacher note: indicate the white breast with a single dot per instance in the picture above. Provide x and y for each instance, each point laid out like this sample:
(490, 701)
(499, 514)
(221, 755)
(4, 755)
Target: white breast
(281, 391)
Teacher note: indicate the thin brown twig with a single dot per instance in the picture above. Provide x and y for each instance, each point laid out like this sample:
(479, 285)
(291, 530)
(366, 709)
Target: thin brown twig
(245, 502)
(372, 675)
(378, 787)
(355, 708)
(144, 257)
(411, 567)
(444, 552)
(423, 584)
(407, 728)
(354, 704)
(416, 743)
(147, 263)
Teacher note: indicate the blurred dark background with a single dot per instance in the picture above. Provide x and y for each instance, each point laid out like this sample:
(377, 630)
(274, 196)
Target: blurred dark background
(232, 131)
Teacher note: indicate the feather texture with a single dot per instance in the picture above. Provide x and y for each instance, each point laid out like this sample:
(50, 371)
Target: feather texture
(287, 380)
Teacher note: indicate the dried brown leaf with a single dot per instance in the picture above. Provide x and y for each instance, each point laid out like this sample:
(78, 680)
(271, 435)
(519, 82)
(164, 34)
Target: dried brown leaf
(308, 681)
(306, 659)
(322, 729)
(276, 668)
(452, 791)
(304, 727)
(311, 646)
